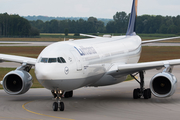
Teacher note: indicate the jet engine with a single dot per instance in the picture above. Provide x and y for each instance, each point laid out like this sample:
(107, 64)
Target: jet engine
(163, 84)
(17, 82)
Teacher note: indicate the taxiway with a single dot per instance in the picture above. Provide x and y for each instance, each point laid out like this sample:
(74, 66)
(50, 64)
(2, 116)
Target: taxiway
(112, 102)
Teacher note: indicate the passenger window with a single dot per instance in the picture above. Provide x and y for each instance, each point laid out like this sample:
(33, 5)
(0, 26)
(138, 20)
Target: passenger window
(44, 60)
(52, 60)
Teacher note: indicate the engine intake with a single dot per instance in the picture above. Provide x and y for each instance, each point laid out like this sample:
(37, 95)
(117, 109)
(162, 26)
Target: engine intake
(163, 84)
(17, 82)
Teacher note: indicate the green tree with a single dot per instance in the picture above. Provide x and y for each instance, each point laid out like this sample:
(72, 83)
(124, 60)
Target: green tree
(163, 29)
(14, 25)
(121, 21)
(111, 27)
(34, 32)
(66, 31)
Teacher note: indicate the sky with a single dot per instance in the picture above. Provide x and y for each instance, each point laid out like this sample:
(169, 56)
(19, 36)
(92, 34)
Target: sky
(88, 8)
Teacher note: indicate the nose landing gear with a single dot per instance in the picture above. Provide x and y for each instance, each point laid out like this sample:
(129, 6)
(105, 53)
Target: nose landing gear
(58, 104)
(58, 94)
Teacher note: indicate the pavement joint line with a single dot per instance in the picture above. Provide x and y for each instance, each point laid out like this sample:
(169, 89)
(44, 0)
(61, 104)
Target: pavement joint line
(23, 106)
(13, 118)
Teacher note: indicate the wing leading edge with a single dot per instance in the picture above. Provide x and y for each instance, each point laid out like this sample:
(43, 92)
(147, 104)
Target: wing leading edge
(18, 59)
(157, 40)
(132, 68)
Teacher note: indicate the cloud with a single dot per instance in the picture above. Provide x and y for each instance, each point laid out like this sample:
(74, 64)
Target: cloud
(81, 8)
(87, 8)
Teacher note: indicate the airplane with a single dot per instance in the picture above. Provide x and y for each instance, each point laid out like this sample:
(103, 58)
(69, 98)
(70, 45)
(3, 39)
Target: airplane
(99, 61)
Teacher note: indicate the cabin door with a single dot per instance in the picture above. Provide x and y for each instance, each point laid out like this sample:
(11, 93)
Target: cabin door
(77, 60)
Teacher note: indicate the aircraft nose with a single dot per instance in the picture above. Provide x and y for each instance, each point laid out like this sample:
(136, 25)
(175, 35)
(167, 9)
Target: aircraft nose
(45, 72)
(50, 72)
(42, 73)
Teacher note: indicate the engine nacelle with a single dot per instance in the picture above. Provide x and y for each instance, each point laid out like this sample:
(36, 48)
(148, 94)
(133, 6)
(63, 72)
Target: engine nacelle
(17, 82)
(163, 84)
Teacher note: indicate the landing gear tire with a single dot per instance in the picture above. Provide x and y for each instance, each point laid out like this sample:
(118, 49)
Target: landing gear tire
(61, 106)
(147, 93)
(55, 106)
(136, 93)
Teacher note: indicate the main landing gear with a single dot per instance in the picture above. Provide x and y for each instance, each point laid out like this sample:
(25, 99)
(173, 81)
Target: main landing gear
(137, 93)
(58, 94)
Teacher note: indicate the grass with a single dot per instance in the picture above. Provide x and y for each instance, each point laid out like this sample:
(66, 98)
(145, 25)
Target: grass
(60, 35)
(33, 39)
(46, 37)
(155, 53)
(28, 51)
(129, 78)
(155, 36)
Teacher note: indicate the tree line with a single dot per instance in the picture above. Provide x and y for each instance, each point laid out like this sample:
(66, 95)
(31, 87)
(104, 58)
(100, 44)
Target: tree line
(14, 25)
(144, 24)
(47, 18)
(91, 25)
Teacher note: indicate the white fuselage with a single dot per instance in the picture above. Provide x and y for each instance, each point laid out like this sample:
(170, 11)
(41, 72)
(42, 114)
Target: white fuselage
(72, 64)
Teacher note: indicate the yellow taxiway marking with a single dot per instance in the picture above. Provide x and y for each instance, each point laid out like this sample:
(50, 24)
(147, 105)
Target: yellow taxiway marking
(23, 106)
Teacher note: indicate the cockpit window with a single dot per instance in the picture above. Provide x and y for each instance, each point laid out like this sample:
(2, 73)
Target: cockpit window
(44, 60)
(53, 60)
(61, 60)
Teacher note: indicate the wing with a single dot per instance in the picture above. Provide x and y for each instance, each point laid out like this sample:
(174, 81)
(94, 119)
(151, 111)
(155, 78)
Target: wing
(126, 69)
(157, 40)
(93, 36)
(18, 59)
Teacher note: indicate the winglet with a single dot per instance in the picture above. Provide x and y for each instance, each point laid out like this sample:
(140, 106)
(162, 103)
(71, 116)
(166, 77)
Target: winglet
(132, 20)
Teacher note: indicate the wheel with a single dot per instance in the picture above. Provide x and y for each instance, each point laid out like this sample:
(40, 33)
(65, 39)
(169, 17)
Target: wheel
(147, 94)
(55, 106)
(68, 94)
(136, 93)
(61, 106)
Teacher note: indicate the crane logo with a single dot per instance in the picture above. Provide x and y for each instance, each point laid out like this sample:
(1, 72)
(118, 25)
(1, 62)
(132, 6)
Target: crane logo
(66, 70)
